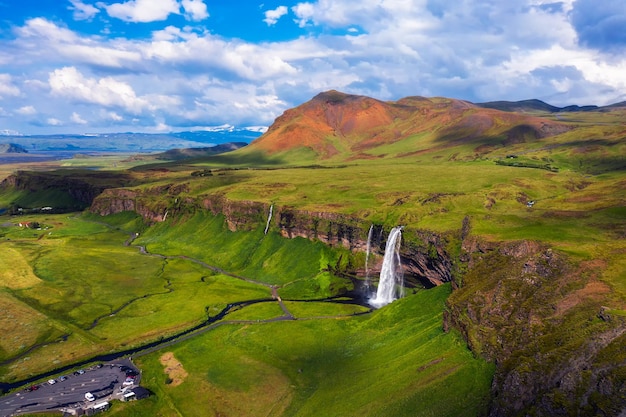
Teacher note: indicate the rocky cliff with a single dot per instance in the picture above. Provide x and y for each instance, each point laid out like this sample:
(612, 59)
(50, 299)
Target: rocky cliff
(423, 255)
(540, 318)
(63, 190)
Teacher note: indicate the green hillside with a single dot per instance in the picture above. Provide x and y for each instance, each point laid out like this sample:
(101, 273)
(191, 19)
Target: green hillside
(521, 219)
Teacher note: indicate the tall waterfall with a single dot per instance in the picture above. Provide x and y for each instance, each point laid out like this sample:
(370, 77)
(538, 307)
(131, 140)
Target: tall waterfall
(269, 219)
(391, 283)
(368, 249)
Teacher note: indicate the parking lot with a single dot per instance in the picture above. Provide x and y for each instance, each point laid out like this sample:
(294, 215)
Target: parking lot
(103, 381)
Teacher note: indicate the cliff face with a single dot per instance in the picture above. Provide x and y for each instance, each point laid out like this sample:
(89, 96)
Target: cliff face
(72, 191)
(540, 318)
(425, 261)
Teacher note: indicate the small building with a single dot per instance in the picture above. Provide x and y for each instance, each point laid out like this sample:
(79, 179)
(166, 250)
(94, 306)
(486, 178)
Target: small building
(129, 396)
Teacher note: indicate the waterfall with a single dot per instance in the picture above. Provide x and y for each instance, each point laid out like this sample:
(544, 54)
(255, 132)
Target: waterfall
(269, 219)
(391, 273)
(368, 249)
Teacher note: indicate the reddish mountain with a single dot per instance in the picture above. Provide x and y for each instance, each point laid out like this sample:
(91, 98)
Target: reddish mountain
(335, 123)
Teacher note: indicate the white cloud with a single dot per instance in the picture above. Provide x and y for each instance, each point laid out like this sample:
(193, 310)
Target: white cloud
(42, 40)
(75, 118)
(304, 13)
(142, 10)
(113, 116)
(189, 75)
(6, 86)
(162, 127)
(40, 28)
(195, 10)
(69, 82)
(239, 59)
(26, 111)
(54, 122)
(272, 16)
(83, 11)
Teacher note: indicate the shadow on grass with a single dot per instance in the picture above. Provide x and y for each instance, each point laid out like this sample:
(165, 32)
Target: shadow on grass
(230, 159)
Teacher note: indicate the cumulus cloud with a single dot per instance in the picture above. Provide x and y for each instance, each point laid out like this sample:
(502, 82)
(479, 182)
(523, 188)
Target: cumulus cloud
(27, 110)
(69, 82)
(189, 75)
(41, 40)
(41, 28)
(83, 11)
(6, 86)
(113, 116)
(142, 10)
(600, 26)
(195, 10)
(304, 12)
(75, 118)
(210, 53)
(272, 16)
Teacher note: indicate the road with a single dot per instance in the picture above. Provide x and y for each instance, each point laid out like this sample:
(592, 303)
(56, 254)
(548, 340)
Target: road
(103, 382)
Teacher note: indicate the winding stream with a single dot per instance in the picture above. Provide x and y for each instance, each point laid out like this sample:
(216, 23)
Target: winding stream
(354, 297)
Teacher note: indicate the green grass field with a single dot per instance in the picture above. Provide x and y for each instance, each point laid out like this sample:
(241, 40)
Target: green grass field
(75, 271)
(78, 290)
(397, 361)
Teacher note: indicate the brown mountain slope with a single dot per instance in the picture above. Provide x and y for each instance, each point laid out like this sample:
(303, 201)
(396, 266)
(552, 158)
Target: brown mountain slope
(334, 123)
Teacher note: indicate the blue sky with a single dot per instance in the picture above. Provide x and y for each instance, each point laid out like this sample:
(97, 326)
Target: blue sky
(74, 66)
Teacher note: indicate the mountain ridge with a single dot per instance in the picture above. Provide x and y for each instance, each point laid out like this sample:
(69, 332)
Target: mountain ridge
(333, 124)
(6, 148)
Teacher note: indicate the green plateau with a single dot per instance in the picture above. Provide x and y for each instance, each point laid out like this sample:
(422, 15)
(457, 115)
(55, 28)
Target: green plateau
(513, 251)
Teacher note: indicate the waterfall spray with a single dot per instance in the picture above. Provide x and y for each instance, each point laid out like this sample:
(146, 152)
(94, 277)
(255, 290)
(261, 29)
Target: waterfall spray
(269, 219)
(391, 283)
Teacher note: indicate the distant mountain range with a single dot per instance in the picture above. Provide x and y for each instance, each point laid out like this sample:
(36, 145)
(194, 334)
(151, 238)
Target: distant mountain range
(133, 142)
(311, 124)
(11, 148)
(535, 105)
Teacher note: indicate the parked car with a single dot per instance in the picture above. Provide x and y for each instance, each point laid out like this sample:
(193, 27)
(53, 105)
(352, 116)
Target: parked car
(89, 396)
(33, 388)
(52, 381)
(62, 378)
(79, 372)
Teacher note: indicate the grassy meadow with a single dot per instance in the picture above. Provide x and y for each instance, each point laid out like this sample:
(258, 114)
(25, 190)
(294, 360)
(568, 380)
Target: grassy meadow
(396, 361)
(76, 286)
(77, 270)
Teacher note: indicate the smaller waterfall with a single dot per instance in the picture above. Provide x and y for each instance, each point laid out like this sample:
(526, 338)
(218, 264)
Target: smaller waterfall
(391, 283)
(164, 216)
(368, 249)
(269, 219)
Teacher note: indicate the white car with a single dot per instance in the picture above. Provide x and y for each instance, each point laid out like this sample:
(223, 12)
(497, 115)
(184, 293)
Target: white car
(52, 381)
(89, 396)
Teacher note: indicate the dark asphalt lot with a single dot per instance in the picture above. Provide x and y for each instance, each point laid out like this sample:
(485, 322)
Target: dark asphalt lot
(102, 382)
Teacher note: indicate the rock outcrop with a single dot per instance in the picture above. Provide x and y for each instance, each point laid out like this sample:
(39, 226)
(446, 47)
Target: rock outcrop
(74, 190)
(539, 317)
(424, 258)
